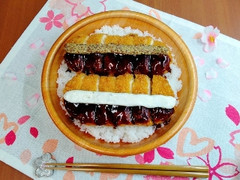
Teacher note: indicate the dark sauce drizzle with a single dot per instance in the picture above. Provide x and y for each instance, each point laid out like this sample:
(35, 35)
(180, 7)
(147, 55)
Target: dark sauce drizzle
(114, 115)
(118, 64)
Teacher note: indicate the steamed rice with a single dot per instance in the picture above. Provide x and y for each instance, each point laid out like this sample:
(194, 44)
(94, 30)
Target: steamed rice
(128, 134)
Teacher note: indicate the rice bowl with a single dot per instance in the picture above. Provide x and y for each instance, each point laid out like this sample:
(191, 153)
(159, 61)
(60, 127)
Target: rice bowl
(186, 97)
(127, 133)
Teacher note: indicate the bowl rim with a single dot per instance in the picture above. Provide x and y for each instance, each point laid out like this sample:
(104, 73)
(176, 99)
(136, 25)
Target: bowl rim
(193, 82)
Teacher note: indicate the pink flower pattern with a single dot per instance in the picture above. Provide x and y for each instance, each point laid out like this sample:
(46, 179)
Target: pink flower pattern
(52, 20)
(149, 156)
(80, 8)
(217, 168)
(209, 38)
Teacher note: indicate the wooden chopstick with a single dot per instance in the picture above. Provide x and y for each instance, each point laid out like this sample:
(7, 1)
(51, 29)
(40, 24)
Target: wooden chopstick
(164, 170)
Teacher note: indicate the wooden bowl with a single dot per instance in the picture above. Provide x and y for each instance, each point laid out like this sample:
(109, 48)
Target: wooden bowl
(187, 95)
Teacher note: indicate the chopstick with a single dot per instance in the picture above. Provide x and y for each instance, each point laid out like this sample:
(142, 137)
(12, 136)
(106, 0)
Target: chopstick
(163, 170)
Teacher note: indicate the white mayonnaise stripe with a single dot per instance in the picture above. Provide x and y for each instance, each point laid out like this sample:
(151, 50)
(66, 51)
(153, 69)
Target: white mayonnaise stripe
(121, 99)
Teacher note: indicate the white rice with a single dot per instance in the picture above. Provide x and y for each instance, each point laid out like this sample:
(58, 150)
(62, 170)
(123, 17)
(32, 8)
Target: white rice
(128, 134)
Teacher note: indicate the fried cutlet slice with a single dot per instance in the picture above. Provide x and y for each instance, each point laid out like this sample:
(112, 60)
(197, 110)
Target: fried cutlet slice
(75, 83)
(143, 40)
(96, 39)
(107, 83)
(141, 84)
(161, 86)
(123, 40)
(124, 83)
(80, 39)
(158, 43)
(90, 82)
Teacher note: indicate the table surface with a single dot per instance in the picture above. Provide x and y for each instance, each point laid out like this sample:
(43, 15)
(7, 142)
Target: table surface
(16, 16)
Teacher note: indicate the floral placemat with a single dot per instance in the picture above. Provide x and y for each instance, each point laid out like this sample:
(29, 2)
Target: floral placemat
(210, 137)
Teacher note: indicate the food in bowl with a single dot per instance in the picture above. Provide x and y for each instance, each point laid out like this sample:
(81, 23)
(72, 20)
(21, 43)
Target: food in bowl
(118, 84)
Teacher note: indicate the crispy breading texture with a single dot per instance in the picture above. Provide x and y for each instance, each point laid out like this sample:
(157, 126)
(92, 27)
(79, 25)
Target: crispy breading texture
(158, 43)
(124, 83)
(90, 82)
(141, 84)
(107, 83)
(140, 40)
(114, 39)
(80, 39)
(75, 83)
(161, 86)
(95, 39)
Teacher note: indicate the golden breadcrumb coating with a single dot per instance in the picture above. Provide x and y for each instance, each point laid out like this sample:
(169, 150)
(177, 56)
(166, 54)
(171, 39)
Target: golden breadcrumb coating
(123, 40)
(80, 39)
(107, 83)
(161, 86)
(90, 83)
(158, 43)
(75, 83)
(140, 40)
(141, 84)
(124, 83)
(95, 39)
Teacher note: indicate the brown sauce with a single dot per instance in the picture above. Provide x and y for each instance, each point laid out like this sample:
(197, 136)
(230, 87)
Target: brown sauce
(118, 64)
(95, 114)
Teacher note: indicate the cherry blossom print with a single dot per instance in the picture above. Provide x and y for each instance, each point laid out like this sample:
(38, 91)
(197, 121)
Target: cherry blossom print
(8, 130)
(23, 119)
(154, 13)
(69, 176)
(52, 20)
(30, 69)
(99, 154)
(70, 160)
(165, 152)
(34, 132)
(32, 100)
(10, 138)
(62, 6)
(43, 53)
(50, 145)
(204, 95)
(79, 148)
(216, 165)
(82, 8)
(108, 176)
(25, 156)
(37, 44)
(211, 74)
(209, 38)
(199, 61)
(149, 156)
(222, 63)
(10, 76)
(235, 139)
(197, 35)
(129, 177)
(196, 146)
(126, 8)
(69, 21)
(233, 114)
